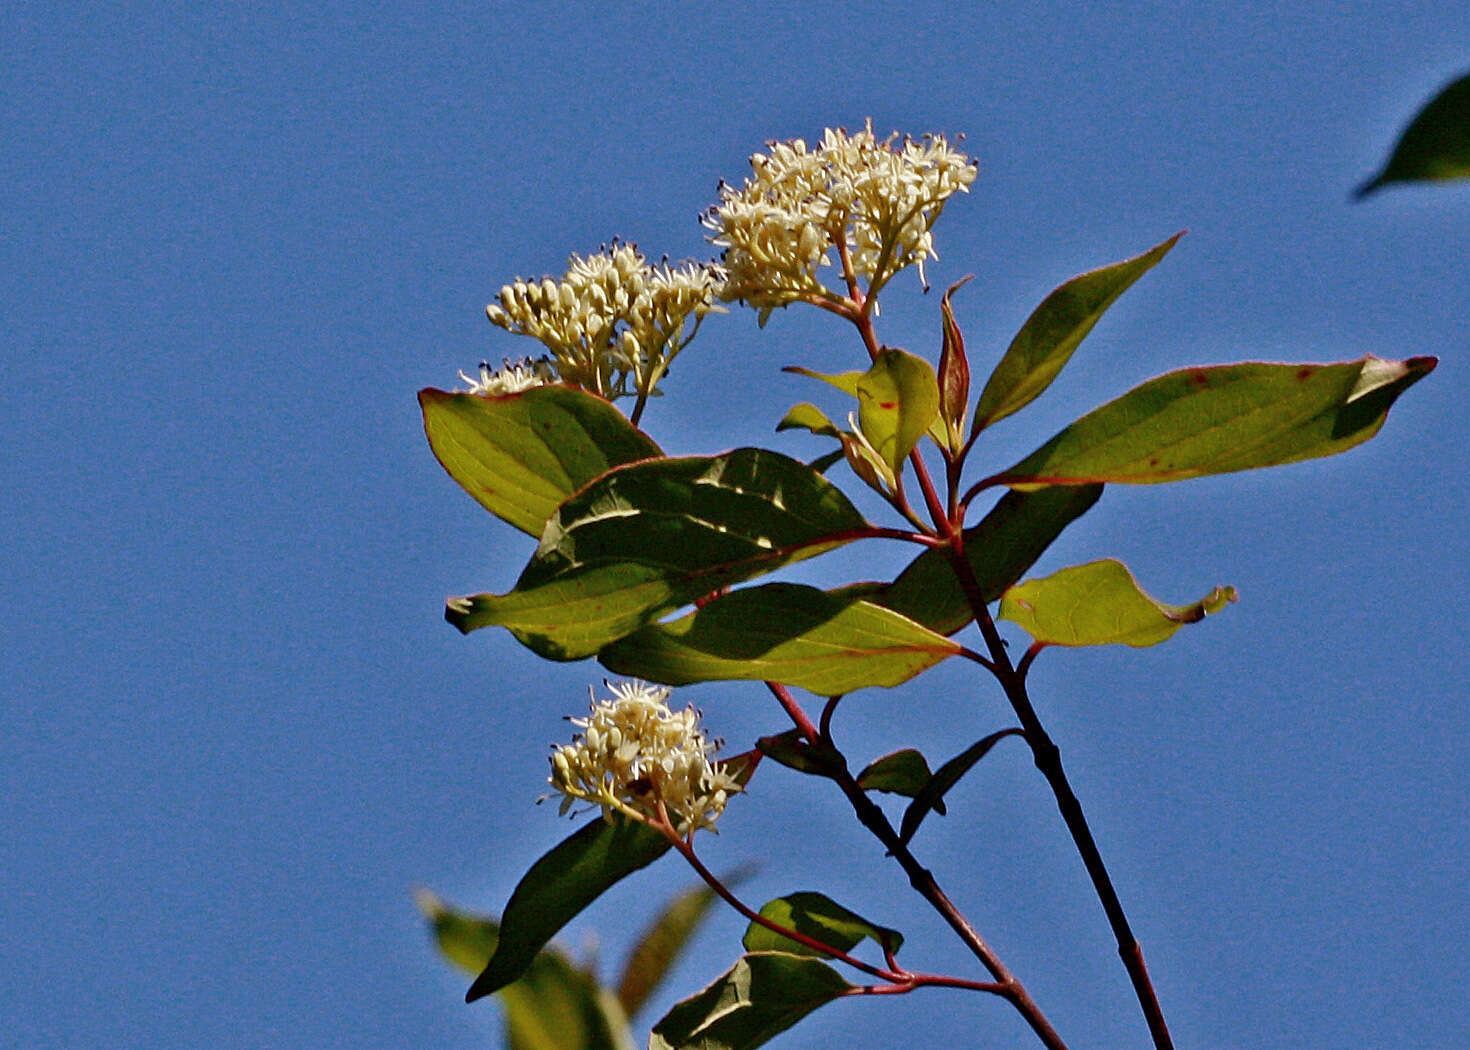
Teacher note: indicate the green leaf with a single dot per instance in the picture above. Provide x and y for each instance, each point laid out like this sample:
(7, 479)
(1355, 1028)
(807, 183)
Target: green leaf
(898, 400)
(662, 942)
(466, 940)
(522, 454)
(819, 918)
(1217, 420)
(559, 886)
(782, 632)
(1054, 330)
(558, 1007)
(552, 1006)
(1436, 144)
(932, 794)
(762, 996)
(807, 416)
(1100, 603)
(900, 773)
(792, 750)
(847, 382)
(1000, 549)
(642, 540)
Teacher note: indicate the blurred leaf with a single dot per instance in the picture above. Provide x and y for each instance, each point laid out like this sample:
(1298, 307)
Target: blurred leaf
(561, 884)
(1217, 420)
(1100, 603)
(1436, 144)
(1000, 549)
(552, 1006)
(1054, 330)
(807, 416)
(819, 918)
(847, 382)
(765, 994)
(466, 940)
(661, 943)
(932, 794)
(898, 400)
(522, 454)
(954, 375)
(792, 750)
(900, 773)
(644, 539)
(782, 632)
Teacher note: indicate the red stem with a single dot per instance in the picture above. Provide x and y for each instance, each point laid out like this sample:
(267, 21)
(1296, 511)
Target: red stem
(1048, 760)
(1006, 984)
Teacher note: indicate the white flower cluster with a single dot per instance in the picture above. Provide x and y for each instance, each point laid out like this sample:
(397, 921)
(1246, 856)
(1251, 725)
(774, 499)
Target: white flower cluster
(512, 378)
(634, 752)
(613, 322)
(878, 198)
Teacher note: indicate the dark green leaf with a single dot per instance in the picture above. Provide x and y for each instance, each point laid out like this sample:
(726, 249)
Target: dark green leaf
(792, 750)
(900, 773)
(1436, 144)
(765, 994)
(1217, 420)
(819, 918)
(782, 632)
(661, 943)
(1054, 330)
(559, 886)
(947, 776)
(898, 400)
(522, 454)
(553, 1006)
(645, 539)
(1100, 603)
(1000, 549)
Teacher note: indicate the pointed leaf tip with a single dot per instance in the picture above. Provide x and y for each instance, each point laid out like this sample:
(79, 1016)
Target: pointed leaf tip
(1220, 419)
(762, 996)
(1046, 342)
(1434, 147)
(559, 886)
(1100, 603)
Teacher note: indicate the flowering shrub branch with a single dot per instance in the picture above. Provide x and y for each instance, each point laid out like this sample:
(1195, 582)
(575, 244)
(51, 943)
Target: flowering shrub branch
(648, 561)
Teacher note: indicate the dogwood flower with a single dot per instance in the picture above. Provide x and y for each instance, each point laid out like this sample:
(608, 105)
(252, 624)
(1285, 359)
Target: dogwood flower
(634, 752)
(512, 378)
(877, 200)
(613, 322)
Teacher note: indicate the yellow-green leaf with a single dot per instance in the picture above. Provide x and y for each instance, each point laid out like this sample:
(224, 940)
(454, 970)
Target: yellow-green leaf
(1000, 549)
(898, 401)
(520, 455)
(1100, 603)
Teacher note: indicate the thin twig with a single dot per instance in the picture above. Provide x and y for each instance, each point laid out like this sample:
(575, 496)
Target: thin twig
(1049, 761)
(922, 880)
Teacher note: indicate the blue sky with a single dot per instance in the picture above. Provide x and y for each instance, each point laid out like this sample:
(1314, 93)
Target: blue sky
(237, 733)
